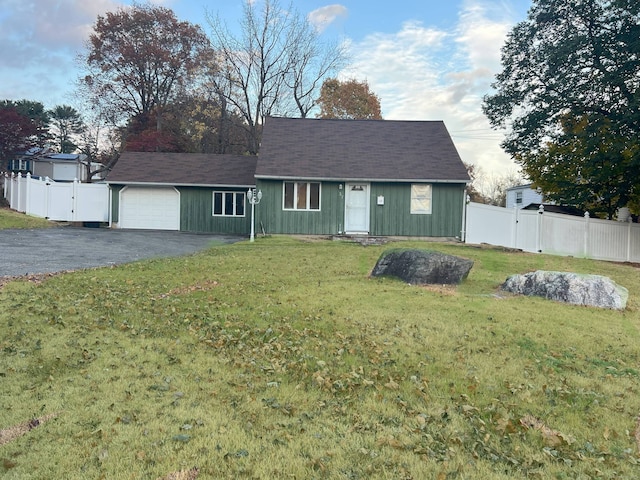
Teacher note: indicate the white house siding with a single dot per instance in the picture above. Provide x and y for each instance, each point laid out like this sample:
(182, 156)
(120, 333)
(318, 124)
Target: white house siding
(527, 196)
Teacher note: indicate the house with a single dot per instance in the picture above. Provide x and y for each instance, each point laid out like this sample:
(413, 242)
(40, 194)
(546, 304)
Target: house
(59, 167)
(367, 177)
(521, 196)
(317, 177)
(180, 191)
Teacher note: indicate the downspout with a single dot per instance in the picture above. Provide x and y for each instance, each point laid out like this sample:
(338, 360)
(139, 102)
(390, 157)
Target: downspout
(465, 202)
(110, 209)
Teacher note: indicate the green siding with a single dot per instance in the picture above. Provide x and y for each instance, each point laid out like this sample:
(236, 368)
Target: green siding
(391, 219)
(395, 218)
(271, 216)
(196, 213)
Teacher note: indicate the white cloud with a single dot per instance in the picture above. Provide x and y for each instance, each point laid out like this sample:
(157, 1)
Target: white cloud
(45, 34)
(40, 40)
(424, 73)
(322, 17)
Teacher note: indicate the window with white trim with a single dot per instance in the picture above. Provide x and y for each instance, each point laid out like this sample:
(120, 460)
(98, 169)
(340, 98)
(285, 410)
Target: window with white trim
(301, 195)
(518, 198)
(421, 199)
(228, 204)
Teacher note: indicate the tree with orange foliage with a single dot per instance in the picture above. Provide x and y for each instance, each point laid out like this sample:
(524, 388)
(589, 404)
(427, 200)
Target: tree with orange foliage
(350, 100)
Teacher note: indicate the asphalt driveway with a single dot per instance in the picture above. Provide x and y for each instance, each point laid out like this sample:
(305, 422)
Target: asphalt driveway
(50, 250)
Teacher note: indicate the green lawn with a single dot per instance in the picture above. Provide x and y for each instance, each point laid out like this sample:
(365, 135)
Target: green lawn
(12, 219)
(283, 359)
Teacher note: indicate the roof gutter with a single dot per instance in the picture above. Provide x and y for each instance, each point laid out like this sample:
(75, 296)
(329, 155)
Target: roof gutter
(362, 179)
(171, 184)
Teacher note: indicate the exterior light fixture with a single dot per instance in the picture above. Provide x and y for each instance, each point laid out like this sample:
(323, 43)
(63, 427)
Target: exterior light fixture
(253, 197)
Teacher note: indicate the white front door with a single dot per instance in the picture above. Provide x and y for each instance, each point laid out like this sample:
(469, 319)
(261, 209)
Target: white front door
(356, 215)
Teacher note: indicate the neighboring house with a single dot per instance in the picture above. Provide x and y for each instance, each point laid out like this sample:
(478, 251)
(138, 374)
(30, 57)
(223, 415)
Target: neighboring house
(368, 177)
(21, 162)
(526, 198)
(59, 167)
(521, 196)
(181, 191)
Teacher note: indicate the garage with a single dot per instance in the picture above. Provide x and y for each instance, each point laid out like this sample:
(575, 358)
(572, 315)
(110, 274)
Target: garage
(150, 208)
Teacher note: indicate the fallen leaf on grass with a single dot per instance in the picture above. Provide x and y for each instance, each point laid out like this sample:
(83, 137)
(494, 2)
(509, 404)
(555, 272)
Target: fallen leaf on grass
(103, 455)
(190, 474)
(551, 438)
(11, 433)
(469, 409)
(392, 385)
(208, 285)
(505, 425)
(609, 434)
(390, 441)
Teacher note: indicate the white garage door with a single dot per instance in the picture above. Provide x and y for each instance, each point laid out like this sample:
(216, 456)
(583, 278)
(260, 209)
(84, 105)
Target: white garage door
(152, 208)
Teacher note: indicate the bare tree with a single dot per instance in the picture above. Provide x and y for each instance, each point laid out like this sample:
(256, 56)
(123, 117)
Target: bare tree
(491, 189)
(275, 65)
(101, 141)
(311, 63)
(494, 186)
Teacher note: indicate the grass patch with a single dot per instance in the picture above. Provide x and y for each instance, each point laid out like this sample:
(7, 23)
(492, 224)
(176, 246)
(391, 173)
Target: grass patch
(282, 358)
(12, 219)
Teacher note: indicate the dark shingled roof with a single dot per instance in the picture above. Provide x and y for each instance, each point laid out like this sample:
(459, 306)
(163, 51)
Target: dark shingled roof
(184, 169)
(384, 150)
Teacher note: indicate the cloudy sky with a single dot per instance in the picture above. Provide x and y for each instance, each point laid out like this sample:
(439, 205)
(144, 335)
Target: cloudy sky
(425, 59)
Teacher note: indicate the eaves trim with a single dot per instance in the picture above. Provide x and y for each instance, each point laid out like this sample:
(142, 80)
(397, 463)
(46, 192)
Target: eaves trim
(360, 179)
(165, 184)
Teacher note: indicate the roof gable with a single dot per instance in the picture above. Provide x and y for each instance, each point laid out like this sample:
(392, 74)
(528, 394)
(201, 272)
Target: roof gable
(383, 150)
(183, 169)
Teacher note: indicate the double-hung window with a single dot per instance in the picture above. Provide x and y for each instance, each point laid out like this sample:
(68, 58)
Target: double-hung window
(519, 198)
(421, 199)
(228, 204)
(301, 195)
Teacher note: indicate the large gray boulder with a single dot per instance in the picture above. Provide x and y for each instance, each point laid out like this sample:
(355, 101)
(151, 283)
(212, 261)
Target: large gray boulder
(422, 267)
(574, 288)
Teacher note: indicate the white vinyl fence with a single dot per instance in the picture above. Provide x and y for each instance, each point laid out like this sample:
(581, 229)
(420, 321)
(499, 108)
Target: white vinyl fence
(60, 201)
(553, 233)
